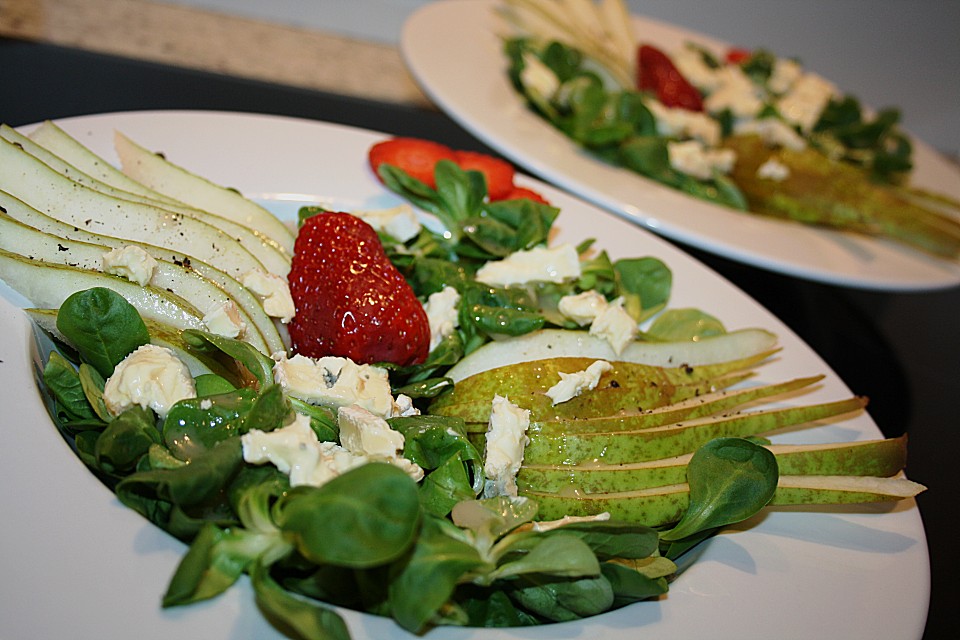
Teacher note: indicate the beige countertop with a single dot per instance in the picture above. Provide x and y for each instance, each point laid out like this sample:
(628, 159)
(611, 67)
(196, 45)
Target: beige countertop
(218, 43)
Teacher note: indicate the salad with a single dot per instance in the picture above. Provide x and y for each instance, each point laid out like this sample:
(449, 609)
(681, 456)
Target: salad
(744, 129)
(186, 462)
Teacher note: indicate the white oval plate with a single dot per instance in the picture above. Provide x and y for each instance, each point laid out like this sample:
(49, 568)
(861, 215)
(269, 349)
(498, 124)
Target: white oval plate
(75, 563)
(453, 49)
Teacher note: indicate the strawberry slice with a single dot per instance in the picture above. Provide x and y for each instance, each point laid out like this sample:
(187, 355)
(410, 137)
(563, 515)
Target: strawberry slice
(498, 173)
(522, 192)
(350, 299)
(415, 156)
(657, 73)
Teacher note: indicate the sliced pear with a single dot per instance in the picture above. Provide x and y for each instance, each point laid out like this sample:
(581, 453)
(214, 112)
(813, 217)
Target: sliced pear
(881, 458)
(559, 343)
(201, 293)
(161, 175)
(33, 182)
(661, 506)
(273, 257)
(20, 211)
(676, 439)
(48, 285)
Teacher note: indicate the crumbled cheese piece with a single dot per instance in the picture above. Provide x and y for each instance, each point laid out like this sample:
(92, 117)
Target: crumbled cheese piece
(130, 262)
(273, 292)
(206, 404)
(404, 407)
(538, 77)
(689, 62)
(296, 451)
(335, 382)
(774, 170)
(774, 132)
(785, 73)
(735, 92)
(805, 101)
(616, 326)
(151, 376)
(572, 385)
(683, 123)
(442, 314)
(692, 158)
(224, 320)
(506, 439)
(399, 222)
(539, 264)
(583, 307)
(366, 434)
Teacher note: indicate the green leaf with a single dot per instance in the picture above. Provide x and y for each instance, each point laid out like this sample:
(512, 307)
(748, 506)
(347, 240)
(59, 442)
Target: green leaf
(63, 382)
(102, 326)
(561, 600)
(126, 439)
(366, 517)
(730, 480)
(258, 364)
(308, 618)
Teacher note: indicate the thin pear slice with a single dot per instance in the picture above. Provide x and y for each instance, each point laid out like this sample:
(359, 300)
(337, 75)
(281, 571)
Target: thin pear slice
(662, 506)
(273, 257)
(676, 439)
(20, 211)
(159, 174)
(698, 407)
(202, 294)
(161, 335)
(535, 377)
(33, 182)
(559, 343)
(881, 458)
(630, 396)
(48, 285)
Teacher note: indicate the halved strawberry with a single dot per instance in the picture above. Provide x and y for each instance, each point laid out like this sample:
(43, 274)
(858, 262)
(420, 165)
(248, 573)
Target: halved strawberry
(498, 173)
(415, 156)
(522, 192)
(350, 299)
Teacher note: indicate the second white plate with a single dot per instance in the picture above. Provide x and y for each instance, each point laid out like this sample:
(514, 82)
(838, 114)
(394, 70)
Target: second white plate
(454, 51)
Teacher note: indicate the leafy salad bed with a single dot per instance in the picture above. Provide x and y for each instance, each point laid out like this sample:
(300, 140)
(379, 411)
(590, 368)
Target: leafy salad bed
(435, 552)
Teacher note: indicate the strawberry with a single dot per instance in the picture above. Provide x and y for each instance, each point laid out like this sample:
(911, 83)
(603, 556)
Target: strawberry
(657, 73)
(498, 173)
(350, 299)
(522, 192)
(415, 156)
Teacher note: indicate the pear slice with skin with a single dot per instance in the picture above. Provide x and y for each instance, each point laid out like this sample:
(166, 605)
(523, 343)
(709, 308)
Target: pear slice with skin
(48, 285)
(17, 210)
(274, 257)
(559, 343)
(159, 174)
(535, 377)
(880, 458)
(662, 506)
(36, 184)
(189, 285)
(162, 335)
(631, 396)
(698, 407)
(676, 439)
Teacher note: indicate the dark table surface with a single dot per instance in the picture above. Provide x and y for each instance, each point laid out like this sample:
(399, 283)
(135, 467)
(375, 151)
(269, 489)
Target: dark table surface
(900, 349)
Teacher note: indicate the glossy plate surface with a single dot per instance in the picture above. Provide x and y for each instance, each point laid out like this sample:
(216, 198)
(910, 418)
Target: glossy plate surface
(75, 563)
(453, 49)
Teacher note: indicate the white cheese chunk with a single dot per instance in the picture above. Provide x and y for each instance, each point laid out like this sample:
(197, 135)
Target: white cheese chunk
(572, 385)
(336, 382)
(785, 73)
(773, 131)
(616, 326)
(805, 101)
(363, 433)
(152, 376)
(398, 222)
(582, 308)
(130, 262)
(673, 122)
(273, 291)
(442, 314)
(539, 264)
(225, 320)
(690, 157)
(506, 439)
(735, 92)
(774, 170)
